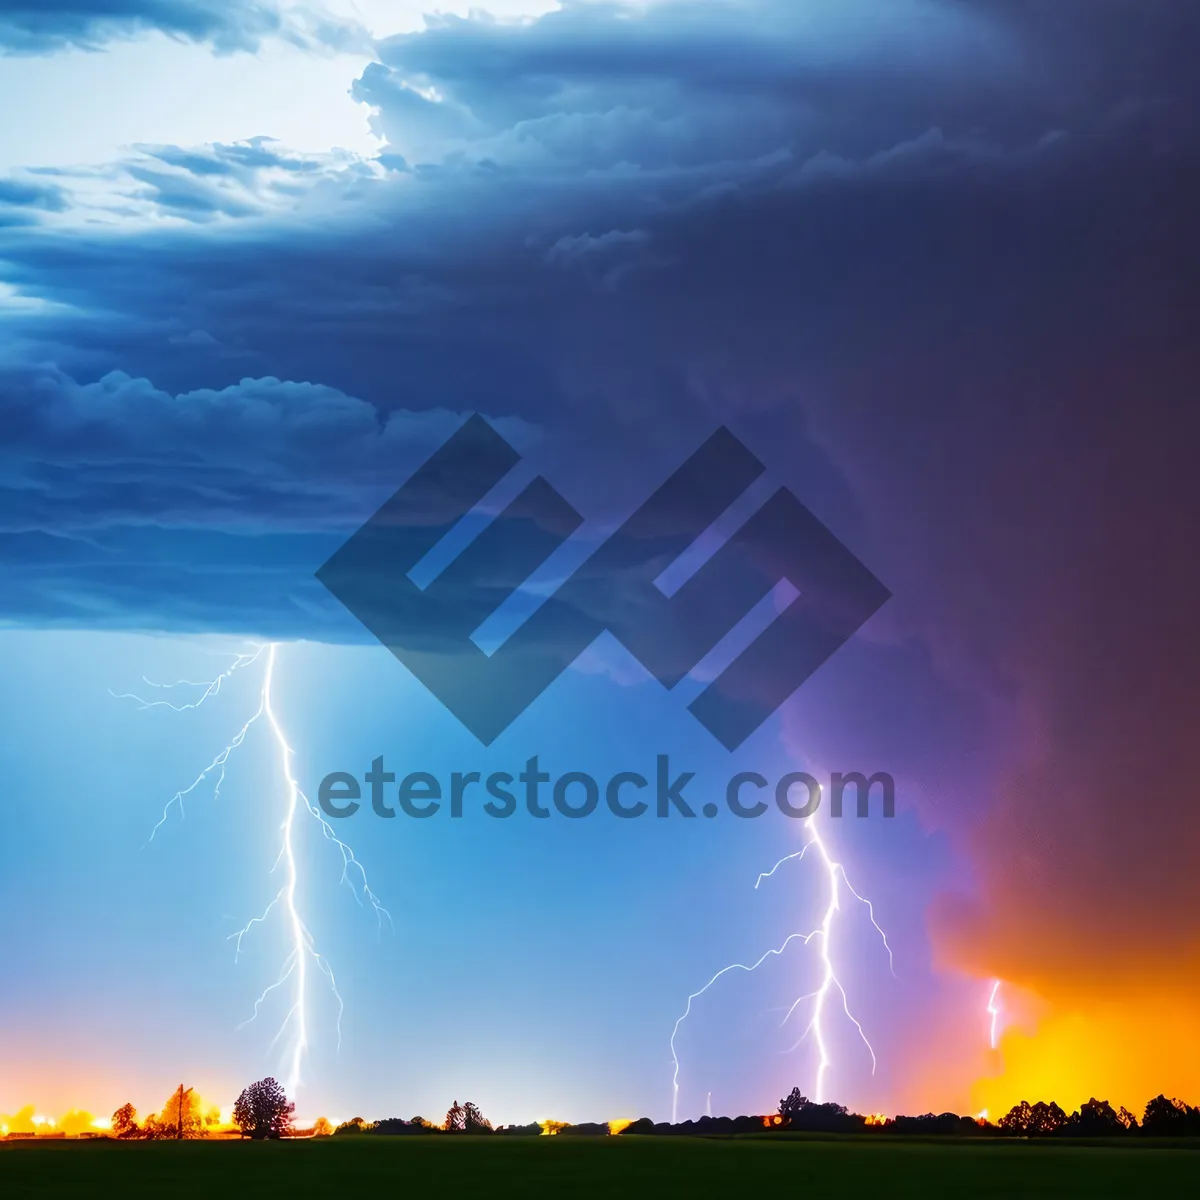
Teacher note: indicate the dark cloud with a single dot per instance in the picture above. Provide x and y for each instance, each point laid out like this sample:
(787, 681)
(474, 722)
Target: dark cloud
(129, 507)
(704, 90)
(260, 454)
(22, 201)
(19, 193)
(36, 27)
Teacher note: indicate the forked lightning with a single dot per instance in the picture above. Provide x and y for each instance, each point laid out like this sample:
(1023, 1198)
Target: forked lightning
(835, 875)
(294, 971)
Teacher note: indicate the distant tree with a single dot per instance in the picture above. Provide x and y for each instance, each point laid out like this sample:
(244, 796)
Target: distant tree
(1127, 1119)
(1045, 1119)
(1016, 1121)
(354, 1125)
(393, 1125)
(1096, 1118)
(124, 1122)
(151, 1129)
(642, 1125)
(322, 1128)
(946, 1123)
(1170, 1118)
(474, 1121)
(793, 1104)
(456, 1119)
(586, 1129)
(263, 1110)
(181, 1117)
(422, 1123)
(533, 1129)
(797, 1111)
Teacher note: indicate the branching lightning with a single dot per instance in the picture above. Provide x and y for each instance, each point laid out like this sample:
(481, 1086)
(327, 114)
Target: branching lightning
(835, 875)
(302, 949)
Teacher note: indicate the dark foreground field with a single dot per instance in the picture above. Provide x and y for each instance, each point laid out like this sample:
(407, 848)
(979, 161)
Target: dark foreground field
(581, 1167)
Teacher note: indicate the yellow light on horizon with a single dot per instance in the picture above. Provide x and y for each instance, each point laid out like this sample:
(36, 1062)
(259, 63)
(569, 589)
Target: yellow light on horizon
(615, 1127)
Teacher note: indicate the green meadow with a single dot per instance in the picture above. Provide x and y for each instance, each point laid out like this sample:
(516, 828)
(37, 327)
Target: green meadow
(601, 1166)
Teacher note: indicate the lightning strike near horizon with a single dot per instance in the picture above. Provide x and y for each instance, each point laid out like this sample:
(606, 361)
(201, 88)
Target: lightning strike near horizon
(835, 874)
(994, 1012)
(302, 950)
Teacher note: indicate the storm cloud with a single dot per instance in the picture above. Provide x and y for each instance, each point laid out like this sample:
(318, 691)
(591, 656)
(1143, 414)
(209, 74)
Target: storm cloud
(33, 27)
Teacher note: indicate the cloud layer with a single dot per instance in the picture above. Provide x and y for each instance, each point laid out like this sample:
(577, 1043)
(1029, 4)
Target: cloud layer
(30, 27)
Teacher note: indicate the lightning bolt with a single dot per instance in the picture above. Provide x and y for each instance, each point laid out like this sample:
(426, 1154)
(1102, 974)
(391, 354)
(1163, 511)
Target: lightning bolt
(994, 1011)
(836, 877)
(302, 951)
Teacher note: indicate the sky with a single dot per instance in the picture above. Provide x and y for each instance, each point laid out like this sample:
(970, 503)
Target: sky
(933, 263)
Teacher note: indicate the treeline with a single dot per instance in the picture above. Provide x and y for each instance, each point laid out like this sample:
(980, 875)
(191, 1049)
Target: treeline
(263, 1111)
(1162, 1117)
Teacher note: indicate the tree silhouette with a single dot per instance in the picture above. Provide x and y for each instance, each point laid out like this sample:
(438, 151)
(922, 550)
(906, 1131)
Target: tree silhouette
(793, 1104)
(798, 1112)
(124, 1122)
(1045, 1119)
(263, 1110)
(1127, 1119)
(533, 1129)
(392, 1125)
(1017, 1119)
(932, 1123)
(1170, 1118)
(1096, 1118)
(322, 1128)
(456, 1119)
(1033, 1120)
(474, 1121)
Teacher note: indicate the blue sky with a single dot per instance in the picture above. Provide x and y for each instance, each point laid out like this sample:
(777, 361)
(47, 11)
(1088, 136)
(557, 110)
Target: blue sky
(541, 965)
(257, 261)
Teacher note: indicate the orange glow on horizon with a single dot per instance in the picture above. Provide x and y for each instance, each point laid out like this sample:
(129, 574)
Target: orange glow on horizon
(1123, 1048)
(28, 1121)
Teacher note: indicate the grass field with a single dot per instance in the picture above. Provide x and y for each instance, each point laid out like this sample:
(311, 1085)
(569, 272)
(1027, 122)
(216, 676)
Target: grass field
(582, 1167)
